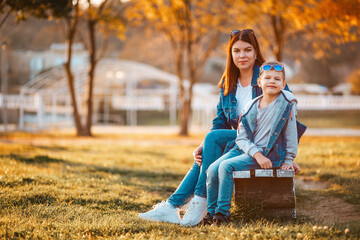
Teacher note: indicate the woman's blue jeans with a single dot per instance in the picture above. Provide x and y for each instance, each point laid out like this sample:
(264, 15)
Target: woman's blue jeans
(220, 183)
(195, 180)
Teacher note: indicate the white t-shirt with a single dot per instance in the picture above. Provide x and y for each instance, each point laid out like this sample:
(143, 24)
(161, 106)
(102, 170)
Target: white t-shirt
(243, 96)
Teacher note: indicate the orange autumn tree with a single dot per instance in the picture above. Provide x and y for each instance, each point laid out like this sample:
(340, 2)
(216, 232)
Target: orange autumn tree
(318, 22)
(192, 28)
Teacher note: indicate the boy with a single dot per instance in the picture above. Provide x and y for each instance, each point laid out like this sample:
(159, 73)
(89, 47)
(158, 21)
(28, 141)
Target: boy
(267, 138)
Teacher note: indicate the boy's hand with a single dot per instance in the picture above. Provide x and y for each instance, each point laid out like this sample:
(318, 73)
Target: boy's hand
(198, 155)
(263, 161)
(296, 168)
(286, 166)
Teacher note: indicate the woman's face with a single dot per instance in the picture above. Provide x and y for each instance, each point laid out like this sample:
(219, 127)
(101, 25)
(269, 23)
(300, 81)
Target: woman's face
(243, 54)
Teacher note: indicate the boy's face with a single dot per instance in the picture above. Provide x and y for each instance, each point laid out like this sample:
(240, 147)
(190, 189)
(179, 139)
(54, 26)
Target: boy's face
(271, 82)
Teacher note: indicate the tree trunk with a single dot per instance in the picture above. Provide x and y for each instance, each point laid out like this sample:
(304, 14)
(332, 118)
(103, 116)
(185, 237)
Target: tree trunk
(70, 77)
(278, 26)
(185, 113)
(179, 55)
(77, 119)
(182, 109)
(91, 74)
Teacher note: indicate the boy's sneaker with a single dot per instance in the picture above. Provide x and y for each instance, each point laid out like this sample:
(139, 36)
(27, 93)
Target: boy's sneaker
(220, 219)
(195, 213)
(162, 212)
(207, 220)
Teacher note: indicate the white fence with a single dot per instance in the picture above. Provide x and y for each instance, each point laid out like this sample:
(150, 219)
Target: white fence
(314, 102)
(15, 101)
(204, 106)
(305, 102)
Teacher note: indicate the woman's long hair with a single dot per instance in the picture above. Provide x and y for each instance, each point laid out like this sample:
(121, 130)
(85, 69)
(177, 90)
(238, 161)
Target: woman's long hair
(231, 74)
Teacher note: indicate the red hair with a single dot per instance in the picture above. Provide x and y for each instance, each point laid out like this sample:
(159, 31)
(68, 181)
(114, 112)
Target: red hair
(232, 73)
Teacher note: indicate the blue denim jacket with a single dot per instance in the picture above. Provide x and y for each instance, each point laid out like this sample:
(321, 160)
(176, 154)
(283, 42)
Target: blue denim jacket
(276, 147)
(226, 109)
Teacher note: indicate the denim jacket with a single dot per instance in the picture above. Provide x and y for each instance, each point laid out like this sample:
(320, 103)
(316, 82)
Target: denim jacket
(276, 147)
(226, 109)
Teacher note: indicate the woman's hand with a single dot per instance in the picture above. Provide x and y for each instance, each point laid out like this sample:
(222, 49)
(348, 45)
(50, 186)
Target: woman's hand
(198, 155)
(286, 166)
(263, 161)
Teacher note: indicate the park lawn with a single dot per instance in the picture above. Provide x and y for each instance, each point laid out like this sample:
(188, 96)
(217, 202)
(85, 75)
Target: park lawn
(70, 188)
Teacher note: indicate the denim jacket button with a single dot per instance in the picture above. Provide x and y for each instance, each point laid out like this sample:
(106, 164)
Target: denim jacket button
(275, 134)
(282, 118)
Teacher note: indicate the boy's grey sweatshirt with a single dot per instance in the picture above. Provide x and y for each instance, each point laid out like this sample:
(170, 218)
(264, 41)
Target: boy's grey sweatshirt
(264, 121)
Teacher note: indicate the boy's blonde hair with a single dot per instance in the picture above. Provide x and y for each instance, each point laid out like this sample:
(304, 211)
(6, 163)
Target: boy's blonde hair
(272, 63)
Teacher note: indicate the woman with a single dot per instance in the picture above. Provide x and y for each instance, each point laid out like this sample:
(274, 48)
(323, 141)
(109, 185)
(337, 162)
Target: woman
(238, 86)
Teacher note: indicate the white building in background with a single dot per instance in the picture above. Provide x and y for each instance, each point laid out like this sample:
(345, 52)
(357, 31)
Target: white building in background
(119, 85)
(25, 65)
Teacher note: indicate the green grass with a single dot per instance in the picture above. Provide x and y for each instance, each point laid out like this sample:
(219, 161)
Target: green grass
(93, 188)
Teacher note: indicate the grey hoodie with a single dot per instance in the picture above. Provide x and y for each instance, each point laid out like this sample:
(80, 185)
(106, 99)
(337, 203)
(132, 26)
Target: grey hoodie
(282, 123)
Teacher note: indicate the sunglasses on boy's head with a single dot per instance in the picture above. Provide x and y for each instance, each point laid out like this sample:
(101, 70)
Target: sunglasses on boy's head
(267, 67)
(237, 32)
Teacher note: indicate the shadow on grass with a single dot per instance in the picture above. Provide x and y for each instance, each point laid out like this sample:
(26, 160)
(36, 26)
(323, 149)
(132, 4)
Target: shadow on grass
(250, 212)
(49, 199)
(112, 204)
(39, 159)
(42, 159)
(26, 181)
(32, 199)
(137, 173)
(52, 148)
(97, 171)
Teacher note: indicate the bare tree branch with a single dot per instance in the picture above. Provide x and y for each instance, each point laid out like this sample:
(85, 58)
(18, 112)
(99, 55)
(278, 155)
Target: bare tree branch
(5, 17)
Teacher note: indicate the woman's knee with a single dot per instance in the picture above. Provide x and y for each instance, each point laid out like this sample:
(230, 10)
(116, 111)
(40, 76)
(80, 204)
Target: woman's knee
(211, 137)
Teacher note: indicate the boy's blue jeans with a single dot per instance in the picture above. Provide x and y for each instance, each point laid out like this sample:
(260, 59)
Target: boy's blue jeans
(220, 183)
(195, 180)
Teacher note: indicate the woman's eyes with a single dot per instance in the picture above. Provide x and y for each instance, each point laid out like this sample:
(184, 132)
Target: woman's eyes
(246, 50)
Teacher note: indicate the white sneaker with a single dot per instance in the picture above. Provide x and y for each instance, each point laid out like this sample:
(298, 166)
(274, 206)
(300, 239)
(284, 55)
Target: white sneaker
(162, 212)
(195, 213)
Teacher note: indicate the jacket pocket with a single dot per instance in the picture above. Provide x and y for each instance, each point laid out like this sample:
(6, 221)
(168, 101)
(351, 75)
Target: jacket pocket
(276, 155)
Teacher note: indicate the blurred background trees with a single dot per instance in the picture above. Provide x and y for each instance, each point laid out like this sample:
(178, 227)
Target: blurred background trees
(192, 29)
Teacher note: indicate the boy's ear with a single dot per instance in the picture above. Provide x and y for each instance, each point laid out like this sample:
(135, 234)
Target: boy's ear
(258, 81)
(284, 84)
